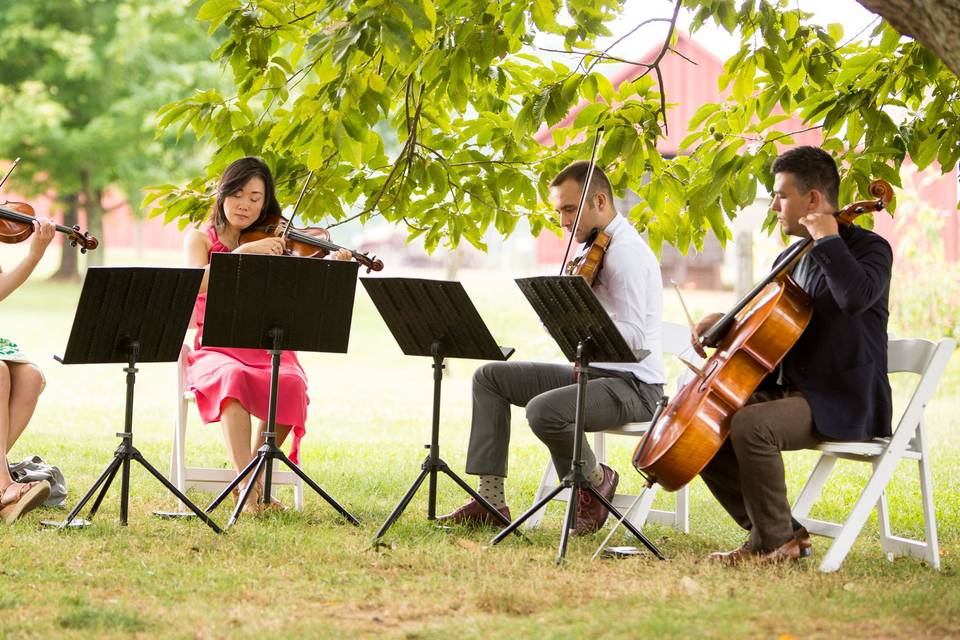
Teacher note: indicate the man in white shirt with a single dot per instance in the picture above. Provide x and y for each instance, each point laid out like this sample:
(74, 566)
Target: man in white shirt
(629, 287)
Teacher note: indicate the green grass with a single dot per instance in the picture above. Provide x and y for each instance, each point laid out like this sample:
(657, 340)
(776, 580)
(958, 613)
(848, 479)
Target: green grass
(308, 574)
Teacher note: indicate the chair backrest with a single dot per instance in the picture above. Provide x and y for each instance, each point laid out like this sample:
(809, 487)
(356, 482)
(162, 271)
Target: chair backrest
(676, 342)
(676, 338)
(927, 359)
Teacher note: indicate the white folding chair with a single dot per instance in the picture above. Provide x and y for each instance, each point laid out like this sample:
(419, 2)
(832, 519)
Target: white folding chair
(928, 360)
(208, 478)
(676, 340)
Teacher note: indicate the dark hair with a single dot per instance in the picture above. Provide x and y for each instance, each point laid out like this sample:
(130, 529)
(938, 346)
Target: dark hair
(578, 171)
(234, 178)
(812, 168)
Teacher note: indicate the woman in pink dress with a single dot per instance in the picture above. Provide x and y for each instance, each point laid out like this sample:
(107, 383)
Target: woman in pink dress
(21, 382)
(231, 385)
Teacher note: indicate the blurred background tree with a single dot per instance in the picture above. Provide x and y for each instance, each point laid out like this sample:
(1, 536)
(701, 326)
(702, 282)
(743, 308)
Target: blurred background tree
(80, 83)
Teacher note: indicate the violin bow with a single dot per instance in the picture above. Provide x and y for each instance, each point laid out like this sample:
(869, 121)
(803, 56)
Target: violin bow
(583, 198)
(9, 171)
(296, 206)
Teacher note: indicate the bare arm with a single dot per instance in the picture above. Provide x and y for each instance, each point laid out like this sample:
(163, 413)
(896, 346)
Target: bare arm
(196, 248)
(43, 231)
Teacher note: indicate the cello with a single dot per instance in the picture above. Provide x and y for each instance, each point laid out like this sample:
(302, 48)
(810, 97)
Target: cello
(751, 339)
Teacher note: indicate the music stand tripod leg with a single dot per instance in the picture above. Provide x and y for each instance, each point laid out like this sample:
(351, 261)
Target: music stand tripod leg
(263, 462)
(121, 460)
(233, 484)
(316, 487)
(245, 494)
(569, 521)
(402, 505)
(626, 523)
(513, 526)
(269, 450)
(106, 477)
(121, 451)
(136, 455)
(433, 463)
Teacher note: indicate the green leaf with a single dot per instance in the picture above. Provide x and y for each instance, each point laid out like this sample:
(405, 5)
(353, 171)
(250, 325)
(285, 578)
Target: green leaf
(926, 152)
(590, 114)
(216, 11)
(702, 114)
(604, 88)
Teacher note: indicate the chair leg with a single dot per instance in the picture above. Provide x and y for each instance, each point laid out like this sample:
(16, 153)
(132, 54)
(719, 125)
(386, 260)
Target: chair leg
(682, 510)
(926, 494)
(641, 511)
(298, 494)
(813, 487)
(177, 466)
(549, 480)
(861, 511)
(600, 446)
(883, 521)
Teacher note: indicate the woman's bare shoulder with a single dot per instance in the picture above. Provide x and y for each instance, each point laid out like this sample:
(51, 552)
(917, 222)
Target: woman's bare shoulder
(197, 238)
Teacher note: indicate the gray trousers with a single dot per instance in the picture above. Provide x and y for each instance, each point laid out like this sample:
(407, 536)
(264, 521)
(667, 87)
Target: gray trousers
(747, 477)
(549, 393)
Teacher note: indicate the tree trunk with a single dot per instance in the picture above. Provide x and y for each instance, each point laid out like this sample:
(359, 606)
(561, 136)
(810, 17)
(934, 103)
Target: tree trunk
(933, 23)
(94, 208)
(69, 269)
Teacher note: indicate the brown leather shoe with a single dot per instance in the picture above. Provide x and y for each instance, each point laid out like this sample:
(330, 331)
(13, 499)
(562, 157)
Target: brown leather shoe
(475, 514)
(741, 554)
(789, 550)
(802, 537)
(591, 513)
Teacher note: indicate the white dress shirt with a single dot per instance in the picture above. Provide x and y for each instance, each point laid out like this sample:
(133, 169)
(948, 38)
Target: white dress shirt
(630, 288)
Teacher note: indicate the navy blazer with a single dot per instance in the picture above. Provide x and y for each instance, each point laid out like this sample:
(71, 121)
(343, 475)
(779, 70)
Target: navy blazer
(840, 361)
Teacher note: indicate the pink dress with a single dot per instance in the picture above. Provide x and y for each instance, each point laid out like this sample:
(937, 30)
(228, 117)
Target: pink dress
(215, 374)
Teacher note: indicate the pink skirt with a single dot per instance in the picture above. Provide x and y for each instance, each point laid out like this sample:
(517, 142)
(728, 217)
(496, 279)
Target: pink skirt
(215, 374)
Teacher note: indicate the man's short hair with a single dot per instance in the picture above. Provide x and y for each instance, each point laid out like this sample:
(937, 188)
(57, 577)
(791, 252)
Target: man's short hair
(812, 168)
(599, 183)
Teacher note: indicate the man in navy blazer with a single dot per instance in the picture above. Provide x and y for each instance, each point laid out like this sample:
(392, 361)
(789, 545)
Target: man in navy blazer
(832, 385)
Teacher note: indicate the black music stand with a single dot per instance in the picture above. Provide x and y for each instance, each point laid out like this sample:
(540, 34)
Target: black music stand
(277, 303)
(434, 318)
(583, 330)
(131, 315)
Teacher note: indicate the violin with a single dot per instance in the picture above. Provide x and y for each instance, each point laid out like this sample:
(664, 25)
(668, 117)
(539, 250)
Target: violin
(751, 340)
(311, 242)
(17, 218)
(588, 263)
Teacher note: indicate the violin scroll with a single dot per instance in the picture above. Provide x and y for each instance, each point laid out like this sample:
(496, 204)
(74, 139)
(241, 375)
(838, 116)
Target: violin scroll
(372, 263)
(84, 240)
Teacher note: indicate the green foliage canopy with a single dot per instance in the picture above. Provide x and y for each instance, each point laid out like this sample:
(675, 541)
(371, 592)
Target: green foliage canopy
(327, 86)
